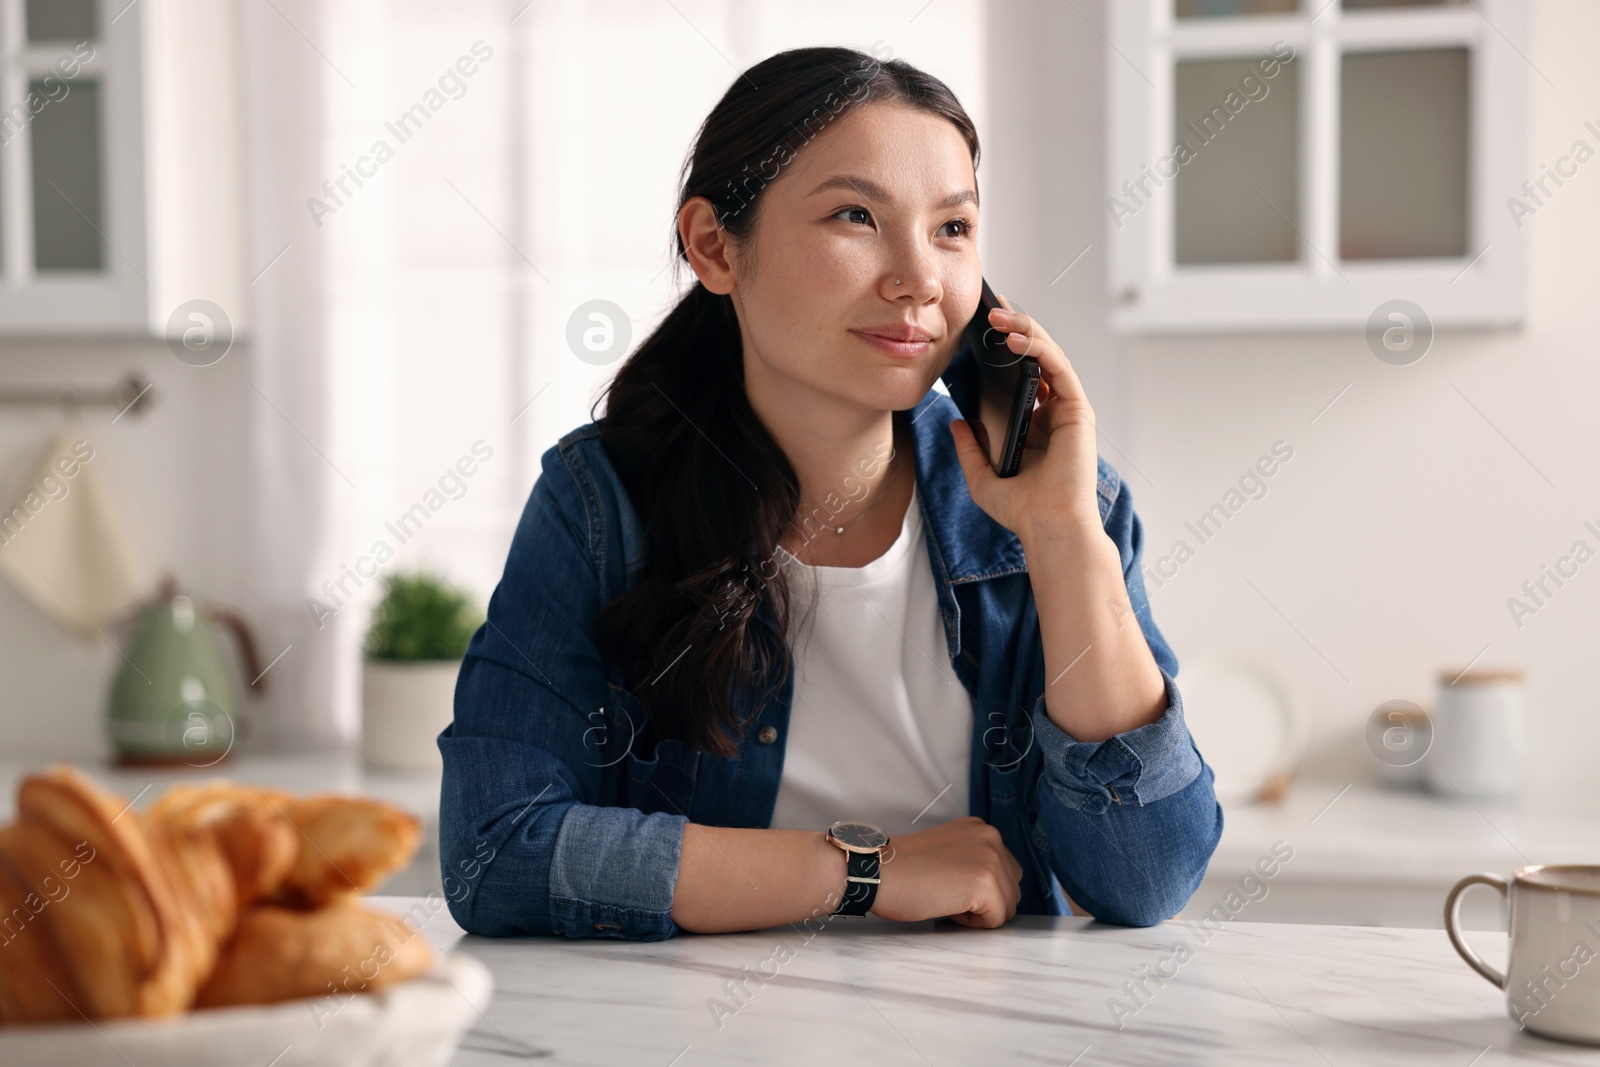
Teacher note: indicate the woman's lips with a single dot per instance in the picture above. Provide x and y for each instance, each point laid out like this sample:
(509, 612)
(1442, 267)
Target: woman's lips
(899, 349)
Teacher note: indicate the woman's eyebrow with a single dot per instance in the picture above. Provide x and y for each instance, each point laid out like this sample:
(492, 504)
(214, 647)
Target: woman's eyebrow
(873, 191)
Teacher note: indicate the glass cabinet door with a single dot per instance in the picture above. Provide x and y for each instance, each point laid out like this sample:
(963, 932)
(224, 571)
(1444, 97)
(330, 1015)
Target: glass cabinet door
(1295, 163)
(1237, 197)
(1404, 168)
(52, 132)
(1404, 164)
(72, 207)
(66, 135)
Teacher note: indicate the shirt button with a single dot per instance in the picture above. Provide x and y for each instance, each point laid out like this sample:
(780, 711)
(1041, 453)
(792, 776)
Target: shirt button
(767, 735)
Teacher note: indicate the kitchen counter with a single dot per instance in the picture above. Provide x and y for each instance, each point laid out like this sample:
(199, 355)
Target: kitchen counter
(1368, 855)
(1038, 990)
(1363, 855)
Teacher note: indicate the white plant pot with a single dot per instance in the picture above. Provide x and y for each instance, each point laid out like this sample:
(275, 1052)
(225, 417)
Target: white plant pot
(404, 706)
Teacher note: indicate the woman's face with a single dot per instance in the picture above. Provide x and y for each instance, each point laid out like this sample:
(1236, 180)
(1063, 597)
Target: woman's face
(885, 192)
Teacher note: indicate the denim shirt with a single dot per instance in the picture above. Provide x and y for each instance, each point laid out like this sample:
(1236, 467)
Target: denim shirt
(561, 813)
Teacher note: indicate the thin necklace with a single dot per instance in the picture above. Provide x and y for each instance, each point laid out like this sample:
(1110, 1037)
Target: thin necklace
(888, 485)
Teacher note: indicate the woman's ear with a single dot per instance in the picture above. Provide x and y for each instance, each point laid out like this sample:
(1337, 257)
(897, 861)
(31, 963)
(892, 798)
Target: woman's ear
(706, 244)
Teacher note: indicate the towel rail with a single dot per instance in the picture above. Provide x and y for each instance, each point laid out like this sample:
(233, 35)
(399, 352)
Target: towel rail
(130, 395)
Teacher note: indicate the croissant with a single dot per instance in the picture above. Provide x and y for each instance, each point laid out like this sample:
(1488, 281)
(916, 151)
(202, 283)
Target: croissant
(259, 841)
(348, 845)
(97, 908)
(284, 953)
(244, 894)
(301, 850)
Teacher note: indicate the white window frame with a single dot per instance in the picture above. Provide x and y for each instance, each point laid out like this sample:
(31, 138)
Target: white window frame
(115, 299)
(1150, 293)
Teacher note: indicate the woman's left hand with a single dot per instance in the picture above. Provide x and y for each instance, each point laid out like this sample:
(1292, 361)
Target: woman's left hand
(1056, 485)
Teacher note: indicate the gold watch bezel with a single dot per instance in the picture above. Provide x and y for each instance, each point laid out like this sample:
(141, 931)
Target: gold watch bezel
(861, 849)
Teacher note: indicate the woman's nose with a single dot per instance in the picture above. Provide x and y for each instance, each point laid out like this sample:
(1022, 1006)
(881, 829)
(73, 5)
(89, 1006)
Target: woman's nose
(914, 276)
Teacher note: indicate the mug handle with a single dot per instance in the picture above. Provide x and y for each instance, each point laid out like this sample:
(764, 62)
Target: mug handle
(1452, 923)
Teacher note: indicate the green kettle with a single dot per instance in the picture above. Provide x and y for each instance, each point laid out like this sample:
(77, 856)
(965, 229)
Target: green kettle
(174, 701)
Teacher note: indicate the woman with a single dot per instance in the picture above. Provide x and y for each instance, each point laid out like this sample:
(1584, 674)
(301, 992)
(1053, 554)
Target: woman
(779, 584)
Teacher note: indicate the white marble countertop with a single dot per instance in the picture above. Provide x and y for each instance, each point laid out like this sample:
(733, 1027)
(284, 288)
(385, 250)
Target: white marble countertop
(1351, 833)
(1363, 855)
(1355, 833)
(1038, 990)
(1368, 855)
(1361, 832)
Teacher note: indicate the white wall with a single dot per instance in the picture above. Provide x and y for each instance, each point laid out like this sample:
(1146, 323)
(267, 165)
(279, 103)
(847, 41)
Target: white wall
(1405, 520)
(1391, 540)
(178, 471)
(423, 314)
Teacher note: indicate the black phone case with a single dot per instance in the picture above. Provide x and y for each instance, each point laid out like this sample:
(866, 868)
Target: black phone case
(988, 346)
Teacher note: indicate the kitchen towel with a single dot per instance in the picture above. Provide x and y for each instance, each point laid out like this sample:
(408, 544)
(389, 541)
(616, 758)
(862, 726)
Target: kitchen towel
(66, 545)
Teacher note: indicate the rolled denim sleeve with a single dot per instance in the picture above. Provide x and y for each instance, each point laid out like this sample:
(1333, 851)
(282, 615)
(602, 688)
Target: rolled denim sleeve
(522, 854)
(1138, 766)
(1129, 823)
(532, 840)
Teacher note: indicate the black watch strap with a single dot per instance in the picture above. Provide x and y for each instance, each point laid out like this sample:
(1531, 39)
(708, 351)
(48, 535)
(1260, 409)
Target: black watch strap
(859, 891)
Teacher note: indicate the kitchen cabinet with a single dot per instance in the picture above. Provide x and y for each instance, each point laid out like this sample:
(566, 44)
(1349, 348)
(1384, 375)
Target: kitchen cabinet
(121, 174)
(1300, 164)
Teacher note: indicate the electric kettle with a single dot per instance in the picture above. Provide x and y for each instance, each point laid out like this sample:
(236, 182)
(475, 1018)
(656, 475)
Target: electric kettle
(174, 701)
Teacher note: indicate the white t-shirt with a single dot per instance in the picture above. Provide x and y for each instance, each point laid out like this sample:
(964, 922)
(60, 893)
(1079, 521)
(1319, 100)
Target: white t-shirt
(881, 727)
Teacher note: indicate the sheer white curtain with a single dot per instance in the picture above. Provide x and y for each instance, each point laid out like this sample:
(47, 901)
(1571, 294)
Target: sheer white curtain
(435, 191)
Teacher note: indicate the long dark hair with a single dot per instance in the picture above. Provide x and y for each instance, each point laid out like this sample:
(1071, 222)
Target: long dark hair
(712, 489)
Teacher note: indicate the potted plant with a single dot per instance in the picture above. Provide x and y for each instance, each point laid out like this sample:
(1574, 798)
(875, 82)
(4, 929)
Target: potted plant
(413, 651)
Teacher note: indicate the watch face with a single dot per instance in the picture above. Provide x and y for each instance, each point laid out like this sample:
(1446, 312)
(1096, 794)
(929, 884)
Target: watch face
(859, 835)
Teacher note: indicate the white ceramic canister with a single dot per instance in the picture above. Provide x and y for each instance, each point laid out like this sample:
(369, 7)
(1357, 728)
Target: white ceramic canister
(1480, 735)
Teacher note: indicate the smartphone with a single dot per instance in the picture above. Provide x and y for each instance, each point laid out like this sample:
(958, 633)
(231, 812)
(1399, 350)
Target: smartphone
(996, 394)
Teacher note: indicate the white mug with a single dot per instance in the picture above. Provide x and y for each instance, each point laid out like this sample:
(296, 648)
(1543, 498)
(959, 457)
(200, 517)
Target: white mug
(1480, 736)
(1552, 978)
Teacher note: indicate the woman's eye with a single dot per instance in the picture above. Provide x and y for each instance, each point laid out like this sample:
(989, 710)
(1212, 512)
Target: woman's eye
(966, 227)
(964, 224)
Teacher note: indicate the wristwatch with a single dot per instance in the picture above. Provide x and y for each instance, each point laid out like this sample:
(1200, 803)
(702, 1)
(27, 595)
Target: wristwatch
(863, 845)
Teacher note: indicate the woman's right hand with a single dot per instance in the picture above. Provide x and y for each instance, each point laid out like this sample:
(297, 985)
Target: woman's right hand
(960, 869)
